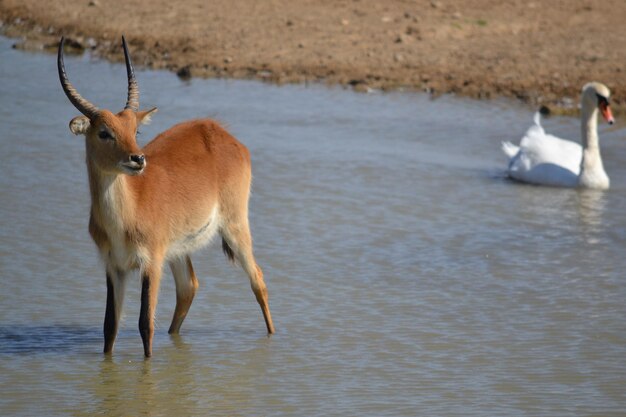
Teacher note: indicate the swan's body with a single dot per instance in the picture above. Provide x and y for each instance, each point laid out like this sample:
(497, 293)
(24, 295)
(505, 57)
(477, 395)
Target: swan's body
(544, 159)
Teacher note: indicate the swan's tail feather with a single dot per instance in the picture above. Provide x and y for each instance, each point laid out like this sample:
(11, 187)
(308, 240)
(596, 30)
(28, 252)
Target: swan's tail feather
(509, 149)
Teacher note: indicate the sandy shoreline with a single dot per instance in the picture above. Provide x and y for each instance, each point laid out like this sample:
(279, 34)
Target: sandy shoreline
(539, 53)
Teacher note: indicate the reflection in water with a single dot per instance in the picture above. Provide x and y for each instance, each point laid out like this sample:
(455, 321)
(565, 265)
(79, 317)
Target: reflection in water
(406, 276)
(177, 382)
(591, 206)
(560, 207)
(145, 387)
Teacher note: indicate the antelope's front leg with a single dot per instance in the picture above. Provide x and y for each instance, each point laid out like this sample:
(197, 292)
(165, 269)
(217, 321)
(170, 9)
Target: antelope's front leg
(150, 281)
(116, 281)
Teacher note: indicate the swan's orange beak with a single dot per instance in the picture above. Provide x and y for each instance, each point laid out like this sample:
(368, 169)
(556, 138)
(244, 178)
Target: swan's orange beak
(605, 109)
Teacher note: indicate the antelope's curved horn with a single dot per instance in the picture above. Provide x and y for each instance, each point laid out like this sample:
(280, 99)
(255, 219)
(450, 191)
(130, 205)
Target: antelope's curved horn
(83, 106)
(133, 89)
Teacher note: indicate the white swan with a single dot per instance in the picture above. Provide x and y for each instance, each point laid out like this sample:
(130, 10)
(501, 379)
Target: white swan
(544, 159)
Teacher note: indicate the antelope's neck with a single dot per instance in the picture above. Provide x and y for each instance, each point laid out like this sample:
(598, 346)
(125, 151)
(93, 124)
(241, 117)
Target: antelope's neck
(112, 200)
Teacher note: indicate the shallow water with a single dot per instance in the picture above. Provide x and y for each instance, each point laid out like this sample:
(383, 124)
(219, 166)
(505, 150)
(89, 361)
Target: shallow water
(407, 276)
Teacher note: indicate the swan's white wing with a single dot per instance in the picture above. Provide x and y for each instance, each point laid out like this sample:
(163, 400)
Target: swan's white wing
(546, 159)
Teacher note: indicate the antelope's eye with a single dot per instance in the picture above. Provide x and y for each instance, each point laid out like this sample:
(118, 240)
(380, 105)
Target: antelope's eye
(104, 134)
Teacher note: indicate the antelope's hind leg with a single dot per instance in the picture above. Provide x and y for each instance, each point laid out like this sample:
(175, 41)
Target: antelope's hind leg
(116, 282)
(186, 286)
(239, 241)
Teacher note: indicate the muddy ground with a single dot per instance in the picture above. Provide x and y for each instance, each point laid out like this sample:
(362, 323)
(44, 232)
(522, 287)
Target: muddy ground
(540, 52)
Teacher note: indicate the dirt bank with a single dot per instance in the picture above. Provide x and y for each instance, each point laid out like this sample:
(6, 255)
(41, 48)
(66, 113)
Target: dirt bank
(540, 52)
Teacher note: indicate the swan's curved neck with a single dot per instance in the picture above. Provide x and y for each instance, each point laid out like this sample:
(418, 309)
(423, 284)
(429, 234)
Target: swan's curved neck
(589, 126)
(592, 173)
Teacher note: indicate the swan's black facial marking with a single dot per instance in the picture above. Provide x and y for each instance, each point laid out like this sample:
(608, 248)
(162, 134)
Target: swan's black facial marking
(605, 109)
(602, 101)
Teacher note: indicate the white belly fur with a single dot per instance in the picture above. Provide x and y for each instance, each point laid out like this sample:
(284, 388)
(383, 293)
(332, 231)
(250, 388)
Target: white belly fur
(196, 241)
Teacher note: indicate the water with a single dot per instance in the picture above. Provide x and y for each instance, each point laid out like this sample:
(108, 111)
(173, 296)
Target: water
(407, 276)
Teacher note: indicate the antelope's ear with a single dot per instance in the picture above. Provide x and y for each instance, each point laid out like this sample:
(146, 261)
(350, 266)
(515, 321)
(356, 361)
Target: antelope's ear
(79, 125)
(144, 117)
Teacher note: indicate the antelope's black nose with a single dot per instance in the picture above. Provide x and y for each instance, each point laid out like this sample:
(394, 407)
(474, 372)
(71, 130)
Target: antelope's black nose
(138, 159)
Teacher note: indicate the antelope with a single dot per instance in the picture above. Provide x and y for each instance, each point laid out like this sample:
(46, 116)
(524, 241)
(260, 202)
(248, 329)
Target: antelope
(161, 203)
